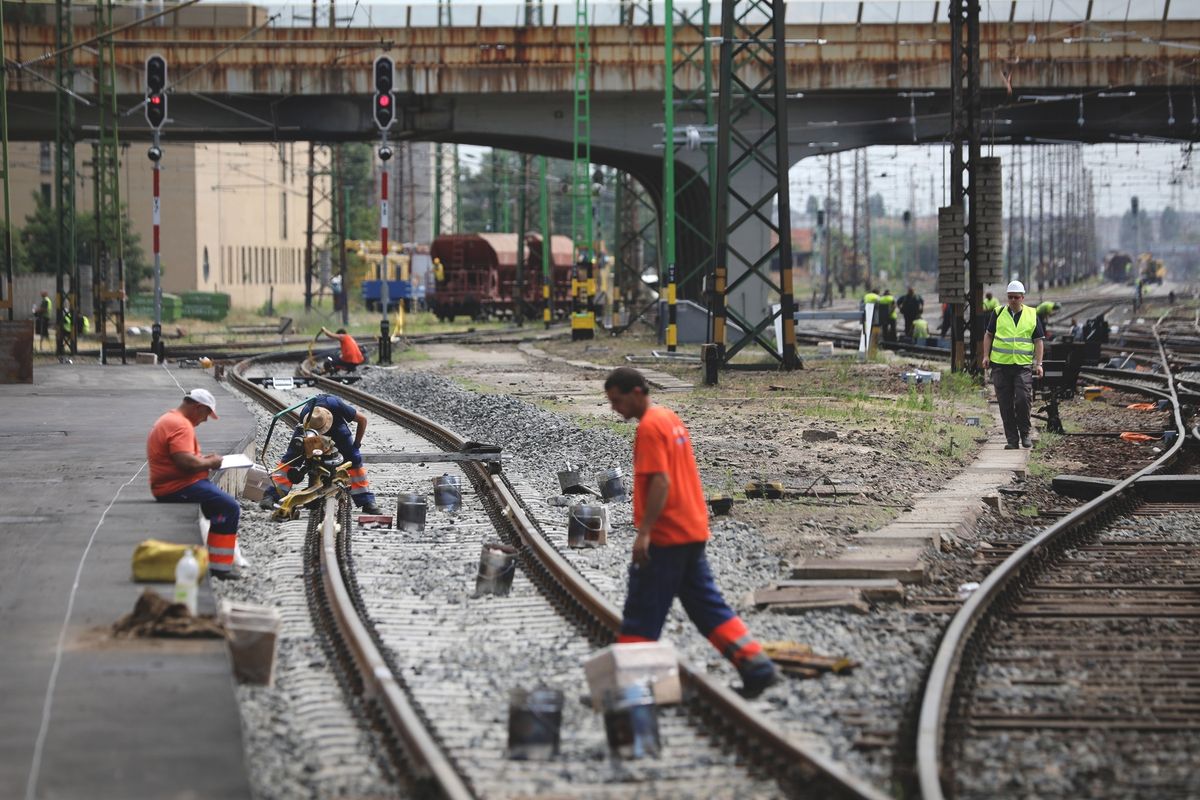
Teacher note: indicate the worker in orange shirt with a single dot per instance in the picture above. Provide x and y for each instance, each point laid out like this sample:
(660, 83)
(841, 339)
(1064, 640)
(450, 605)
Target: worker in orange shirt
(672, 531)
(350, 356)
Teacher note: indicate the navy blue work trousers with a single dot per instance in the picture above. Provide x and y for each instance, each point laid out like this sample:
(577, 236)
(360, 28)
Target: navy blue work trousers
(674, 571)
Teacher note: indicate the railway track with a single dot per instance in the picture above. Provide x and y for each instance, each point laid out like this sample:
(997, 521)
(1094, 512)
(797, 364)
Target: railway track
(435, 666)
(1074, 669)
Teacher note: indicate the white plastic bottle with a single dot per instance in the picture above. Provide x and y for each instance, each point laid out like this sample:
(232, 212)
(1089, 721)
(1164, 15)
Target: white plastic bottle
(187, 574)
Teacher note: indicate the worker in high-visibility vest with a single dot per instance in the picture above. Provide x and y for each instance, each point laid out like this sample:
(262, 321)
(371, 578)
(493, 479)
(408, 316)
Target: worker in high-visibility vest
(920, 330)
(1012, 347)
(990, 304)
(43, 312)
(871, 297)
(887, 315)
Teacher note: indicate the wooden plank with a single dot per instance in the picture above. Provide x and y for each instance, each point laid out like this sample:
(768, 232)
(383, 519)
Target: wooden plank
(813, 594)
(907, 571)
(871, 588)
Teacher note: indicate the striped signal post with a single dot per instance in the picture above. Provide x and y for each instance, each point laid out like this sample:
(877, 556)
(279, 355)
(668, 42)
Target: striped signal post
(668, 238)
(156, 115)
(385, 115)
(544, 214)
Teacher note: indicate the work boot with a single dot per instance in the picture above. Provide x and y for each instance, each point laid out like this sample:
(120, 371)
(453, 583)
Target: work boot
(267, 503)
(1011, 446)
(224, 576)
(1026, 442)
(758, 678)
(371, 508)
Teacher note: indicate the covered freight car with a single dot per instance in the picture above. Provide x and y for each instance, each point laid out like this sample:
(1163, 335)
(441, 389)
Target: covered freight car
(479, 275)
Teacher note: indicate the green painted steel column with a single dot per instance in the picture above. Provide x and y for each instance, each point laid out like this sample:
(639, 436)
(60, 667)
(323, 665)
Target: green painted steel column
(544, 223)
(8, 249)
(668, 237)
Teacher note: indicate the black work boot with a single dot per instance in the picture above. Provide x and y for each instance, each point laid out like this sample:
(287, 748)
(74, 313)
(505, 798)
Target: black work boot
(371, 508)
(1026, 442)
(757, 676)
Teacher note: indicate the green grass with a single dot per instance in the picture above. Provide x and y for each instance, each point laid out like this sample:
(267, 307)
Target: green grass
(1028, 511)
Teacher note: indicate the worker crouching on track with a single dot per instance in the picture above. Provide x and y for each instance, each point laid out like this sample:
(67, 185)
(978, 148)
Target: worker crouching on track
(179, 474)
(1013, 347)
(672, 531)
(327, 415)
(350, 356)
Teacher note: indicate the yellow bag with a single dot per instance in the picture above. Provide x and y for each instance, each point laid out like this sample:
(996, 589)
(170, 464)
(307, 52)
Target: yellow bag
(155, 561)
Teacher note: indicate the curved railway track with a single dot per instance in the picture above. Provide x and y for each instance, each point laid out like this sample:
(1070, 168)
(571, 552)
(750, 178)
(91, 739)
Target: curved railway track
(441, 717)
(1072, 669)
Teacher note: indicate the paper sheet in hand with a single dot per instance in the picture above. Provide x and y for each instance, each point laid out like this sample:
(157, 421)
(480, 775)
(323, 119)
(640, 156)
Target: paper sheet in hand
(236, 461)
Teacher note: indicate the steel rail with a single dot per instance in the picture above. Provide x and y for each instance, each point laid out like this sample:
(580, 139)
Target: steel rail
(820, 776)
(425, 755)
(944, 679)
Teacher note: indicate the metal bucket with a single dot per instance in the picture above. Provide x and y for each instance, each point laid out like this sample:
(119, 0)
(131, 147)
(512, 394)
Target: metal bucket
(497, 565)
(612, 487)
(534, 720)
(631, 722)
(587, 526)
(570, 480)
(410, 512)
(447, 493)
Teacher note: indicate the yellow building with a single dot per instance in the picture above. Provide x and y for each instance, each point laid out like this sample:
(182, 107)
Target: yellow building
(233, 215)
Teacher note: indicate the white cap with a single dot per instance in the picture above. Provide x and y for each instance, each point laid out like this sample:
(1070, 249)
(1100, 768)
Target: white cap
(1016, 287)
(205, 398)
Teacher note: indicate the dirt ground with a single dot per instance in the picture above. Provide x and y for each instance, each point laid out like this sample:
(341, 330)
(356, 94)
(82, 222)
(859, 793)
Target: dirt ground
(852, 433)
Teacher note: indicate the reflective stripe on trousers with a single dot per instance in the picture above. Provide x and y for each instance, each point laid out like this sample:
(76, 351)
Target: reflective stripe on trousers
(221, 547)
(734, 641)
(358, 480)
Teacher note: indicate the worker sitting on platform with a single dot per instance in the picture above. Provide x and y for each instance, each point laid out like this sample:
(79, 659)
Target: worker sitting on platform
(179, 474)
(327, 415)
(350, 356)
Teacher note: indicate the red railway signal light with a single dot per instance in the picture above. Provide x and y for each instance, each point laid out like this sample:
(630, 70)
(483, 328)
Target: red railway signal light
(156, 91)
(384, 109)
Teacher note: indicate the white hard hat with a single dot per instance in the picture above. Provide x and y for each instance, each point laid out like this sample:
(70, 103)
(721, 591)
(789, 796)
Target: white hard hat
(205, 398)
(1016, 287)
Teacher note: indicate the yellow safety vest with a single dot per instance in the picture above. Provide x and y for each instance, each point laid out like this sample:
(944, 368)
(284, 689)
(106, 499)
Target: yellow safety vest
(870, 297)
(990, 305)
(1013, 342)
(920, 329)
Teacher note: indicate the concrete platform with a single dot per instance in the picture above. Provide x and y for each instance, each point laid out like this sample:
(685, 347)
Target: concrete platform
(85, 715)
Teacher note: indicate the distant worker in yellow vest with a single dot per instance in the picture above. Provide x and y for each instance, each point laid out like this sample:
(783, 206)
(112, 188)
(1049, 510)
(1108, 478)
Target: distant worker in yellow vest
(920, 330)
(439, 272)
(990, 304)
(1012, 347)
(869, 298)
(1044, 310)
(887, 315)
(43, 312)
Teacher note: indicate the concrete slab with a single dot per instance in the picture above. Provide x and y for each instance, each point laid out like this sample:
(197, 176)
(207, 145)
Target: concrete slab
(124, 719)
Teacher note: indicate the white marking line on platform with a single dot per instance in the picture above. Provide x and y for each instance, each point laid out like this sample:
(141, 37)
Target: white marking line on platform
(35, 766)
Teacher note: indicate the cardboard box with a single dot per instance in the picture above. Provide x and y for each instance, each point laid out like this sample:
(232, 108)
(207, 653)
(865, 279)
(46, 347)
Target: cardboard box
(257, 481)
(622, 665)
(253, 636)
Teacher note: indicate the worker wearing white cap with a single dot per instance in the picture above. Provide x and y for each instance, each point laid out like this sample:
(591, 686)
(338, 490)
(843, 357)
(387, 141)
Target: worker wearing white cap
(1012, 347)
(179, 474)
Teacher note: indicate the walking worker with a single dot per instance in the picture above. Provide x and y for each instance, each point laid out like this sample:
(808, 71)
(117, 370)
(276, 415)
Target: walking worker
(43, 312)
(179, 474)
(911, 306)
(325, 414)
(351, 355)
(672, 531)
(1013, 347)
(990, 304)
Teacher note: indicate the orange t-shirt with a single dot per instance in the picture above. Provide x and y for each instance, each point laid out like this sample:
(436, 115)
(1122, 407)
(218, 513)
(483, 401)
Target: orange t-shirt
(350, 352)
(172, 433)
(663, 445)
